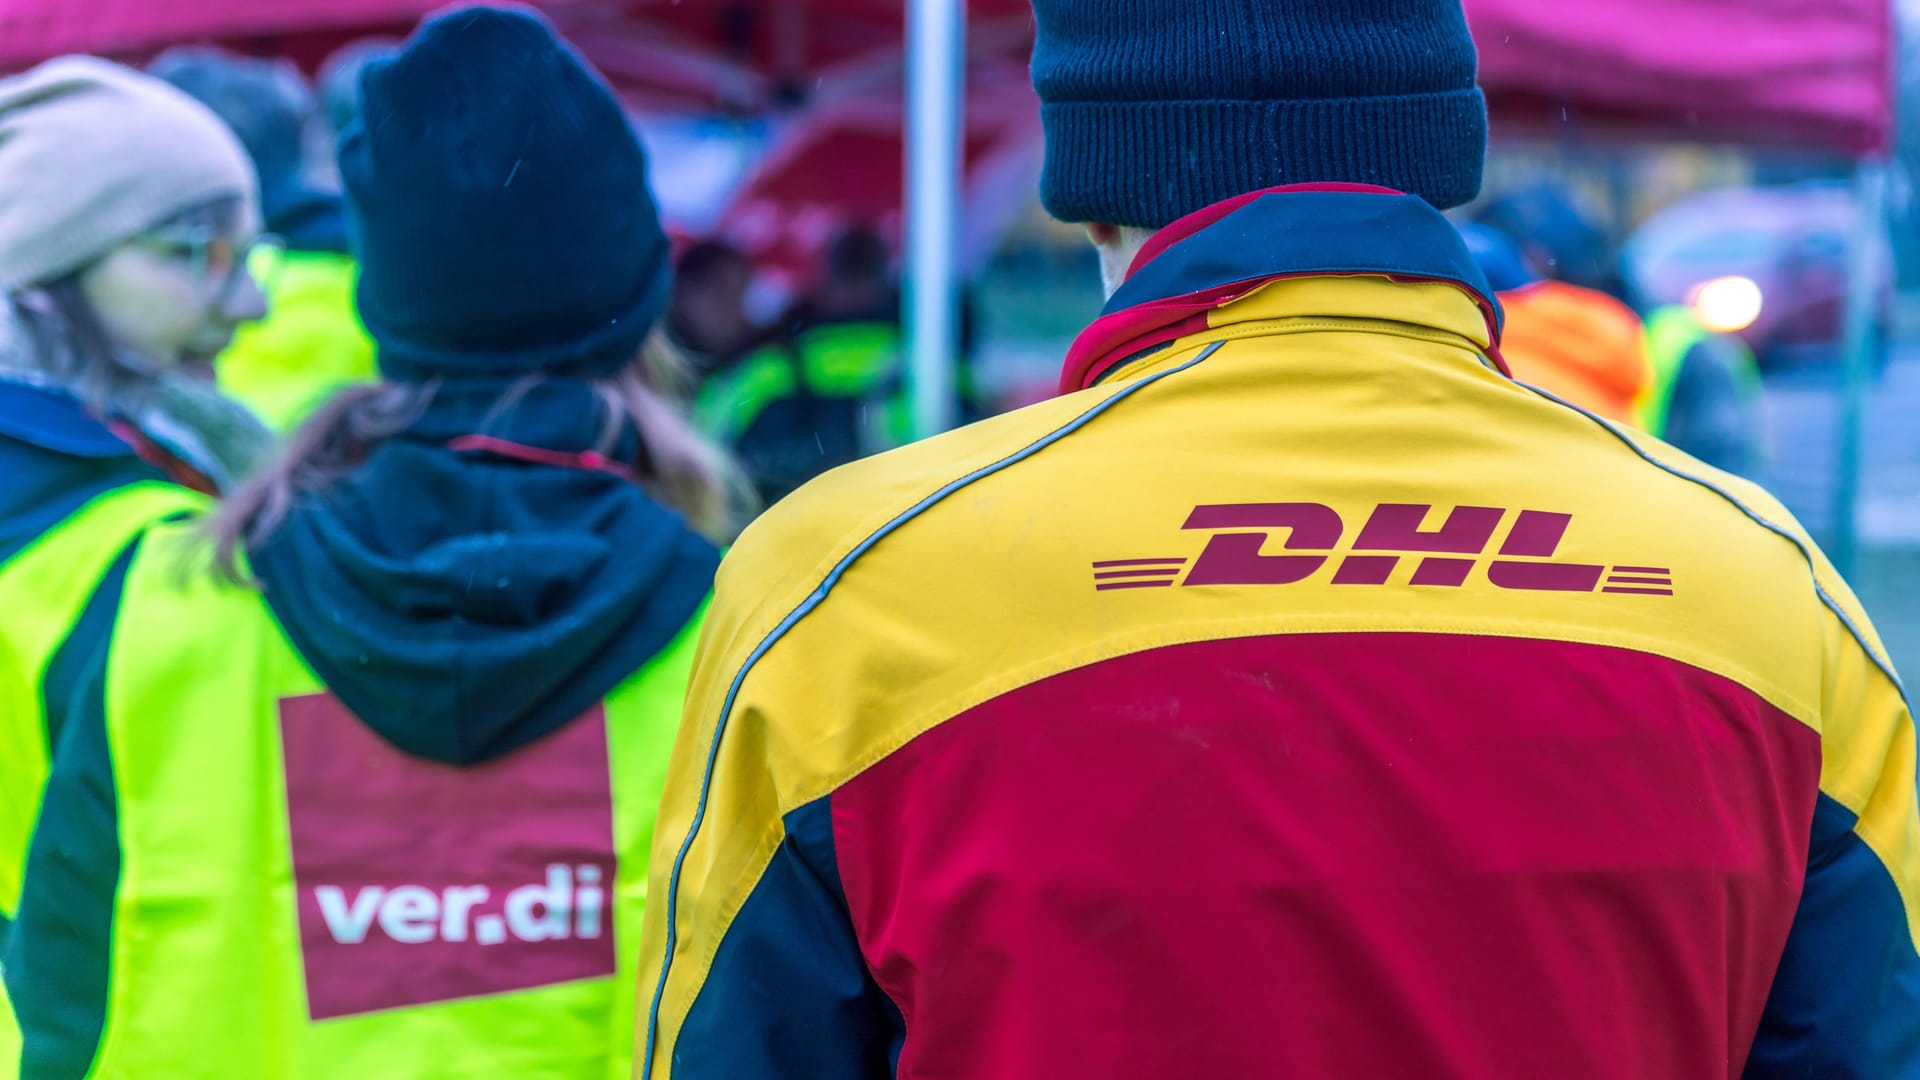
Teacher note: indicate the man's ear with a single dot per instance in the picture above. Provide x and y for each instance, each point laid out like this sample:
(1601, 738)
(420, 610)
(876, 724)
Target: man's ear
(1101, 233)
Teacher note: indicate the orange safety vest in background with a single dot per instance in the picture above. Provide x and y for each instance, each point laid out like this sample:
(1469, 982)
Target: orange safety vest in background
(1579, 344)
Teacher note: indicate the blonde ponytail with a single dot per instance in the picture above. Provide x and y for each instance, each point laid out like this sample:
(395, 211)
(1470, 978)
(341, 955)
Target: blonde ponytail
(679, 466)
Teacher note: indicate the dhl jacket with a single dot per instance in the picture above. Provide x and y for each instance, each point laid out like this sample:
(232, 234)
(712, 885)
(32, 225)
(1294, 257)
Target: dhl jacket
(1295, 695)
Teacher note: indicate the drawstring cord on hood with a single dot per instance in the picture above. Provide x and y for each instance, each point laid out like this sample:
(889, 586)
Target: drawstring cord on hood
(589, 460)
(157, 456)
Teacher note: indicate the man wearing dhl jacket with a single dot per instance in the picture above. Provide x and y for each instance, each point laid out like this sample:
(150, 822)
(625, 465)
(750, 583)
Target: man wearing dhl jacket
(1296, 695)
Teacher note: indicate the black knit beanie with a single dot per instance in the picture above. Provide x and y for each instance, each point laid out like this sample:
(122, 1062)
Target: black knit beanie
(499, 204)
(1156, 108)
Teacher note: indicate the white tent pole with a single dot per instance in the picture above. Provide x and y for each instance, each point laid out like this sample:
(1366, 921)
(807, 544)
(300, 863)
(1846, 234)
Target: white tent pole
(1861, 345)
(936, 77)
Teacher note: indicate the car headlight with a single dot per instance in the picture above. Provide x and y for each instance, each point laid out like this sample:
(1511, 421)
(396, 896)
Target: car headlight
(1726, 305)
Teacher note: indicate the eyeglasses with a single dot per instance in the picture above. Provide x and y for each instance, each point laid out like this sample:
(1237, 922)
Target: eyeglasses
(219, 263)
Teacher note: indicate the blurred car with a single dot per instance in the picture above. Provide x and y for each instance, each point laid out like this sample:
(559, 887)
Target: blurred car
(1769, 264)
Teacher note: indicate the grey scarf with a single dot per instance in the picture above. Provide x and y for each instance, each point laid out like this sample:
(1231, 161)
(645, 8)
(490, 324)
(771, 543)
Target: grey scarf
(186, 415)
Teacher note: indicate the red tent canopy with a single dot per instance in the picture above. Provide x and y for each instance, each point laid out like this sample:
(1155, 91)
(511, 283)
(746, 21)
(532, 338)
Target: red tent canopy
(839, 165)
(756, 53)
(1808, 72)
(34, 30)
(1815, 73)
(731, 55)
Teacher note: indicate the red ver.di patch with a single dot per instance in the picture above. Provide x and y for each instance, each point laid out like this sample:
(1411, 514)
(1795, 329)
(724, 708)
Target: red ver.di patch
(420, 882)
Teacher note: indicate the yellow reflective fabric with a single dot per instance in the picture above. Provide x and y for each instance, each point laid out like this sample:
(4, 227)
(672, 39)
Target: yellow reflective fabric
(207, 974)
(25, 758)
(849, 359)
(839, 360)
(309, 347)
(12, 697)
(1672, 333)
(862, 360)
(734, 398)
(9, 1039)
(43, 589)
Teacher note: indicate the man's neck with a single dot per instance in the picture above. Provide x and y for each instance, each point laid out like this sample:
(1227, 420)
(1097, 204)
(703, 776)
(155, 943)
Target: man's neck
(1117, 255)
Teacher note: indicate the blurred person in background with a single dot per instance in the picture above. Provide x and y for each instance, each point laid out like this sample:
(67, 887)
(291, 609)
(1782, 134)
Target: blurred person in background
(339, 80)
(1705, 396)
(826, 390)
(1703, 392)
(1297, 694)
(382, 811)
(127, 212)
(311, 344)
(1572, 341)
(831, 385)
(708, 319)
(1556, 237)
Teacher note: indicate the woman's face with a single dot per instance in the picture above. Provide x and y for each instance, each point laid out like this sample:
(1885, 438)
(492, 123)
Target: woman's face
(176, 294)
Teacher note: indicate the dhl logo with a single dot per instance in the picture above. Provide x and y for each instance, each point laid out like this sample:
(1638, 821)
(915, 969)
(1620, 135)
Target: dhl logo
(1446, 556)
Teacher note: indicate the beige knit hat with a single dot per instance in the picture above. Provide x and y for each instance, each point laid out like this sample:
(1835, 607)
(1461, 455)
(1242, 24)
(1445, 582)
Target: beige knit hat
(92, 154)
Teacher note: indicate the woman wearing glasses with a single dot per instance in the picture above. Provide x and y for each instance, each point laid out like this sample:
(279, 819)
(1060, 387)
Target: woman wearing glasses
(126, 212)
(311, 345)
(371, 795)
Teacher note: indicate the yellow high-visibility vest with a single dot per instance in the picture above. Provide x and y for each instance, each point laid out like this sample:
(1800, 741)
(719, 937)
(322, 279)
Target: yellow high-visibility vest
(43, 590)
(299, 899)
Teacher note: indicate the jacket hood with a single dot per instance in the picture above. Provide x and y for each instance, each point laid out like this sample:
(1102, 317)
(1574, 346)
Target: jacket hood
(465, 604)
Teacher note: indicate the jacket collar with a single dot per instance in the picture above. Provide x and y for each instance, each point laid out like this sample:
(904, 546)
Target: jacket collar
(1197, 273)
(53, 419)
